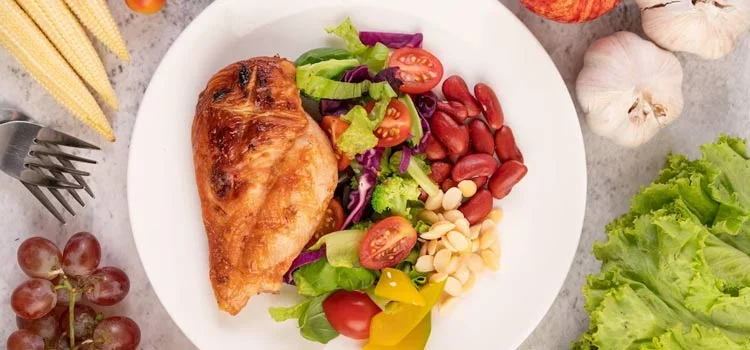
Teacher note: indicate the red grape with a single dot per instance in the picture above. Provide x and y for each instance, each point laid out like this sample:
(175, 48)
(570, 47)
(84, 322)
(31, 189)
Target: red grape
(117, 333)
(25, 340)
(81, 255)
(46, 327)
(84, 321)
(33, 299)
(39, 258)
(106, 286)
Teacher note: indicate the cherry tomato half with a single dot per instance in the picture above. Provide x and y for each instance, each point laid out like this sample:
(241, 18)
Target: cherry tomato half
(396, 126)
(387, 243)
(332, 221)
(334, 127)
(147, 7)
(417, 68)
(350, 313)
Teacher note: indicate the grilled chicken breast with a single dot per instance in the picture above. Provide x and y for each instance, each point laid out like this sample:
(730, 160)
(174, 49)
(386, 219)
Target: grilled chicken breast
(265, 173)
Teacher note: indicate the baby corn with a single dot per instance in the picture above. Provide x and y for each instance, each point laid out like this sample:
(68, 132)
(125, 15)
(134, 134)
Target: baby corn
(64, 30)
(95, 15)
(26, 42)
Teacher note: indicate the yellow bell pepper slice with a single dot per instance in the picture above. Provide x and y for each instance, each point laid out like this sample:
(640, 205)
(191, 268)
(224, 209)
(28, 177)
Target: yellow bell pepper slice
(396, 285)
(415, 340)
(399, 319)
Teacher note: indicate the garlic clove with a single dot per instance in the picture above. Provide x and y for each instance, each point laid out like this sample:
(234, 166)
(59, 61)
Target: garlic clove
(629, 88)
(707, 28)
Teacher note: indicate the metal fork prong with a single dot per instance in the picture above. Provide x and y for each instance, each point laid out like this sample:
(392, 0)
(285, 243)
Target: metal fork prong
(56, 193)
(57, 168)
(46, 151)
(44, 200)
(47, 135)
(36, 178)
(58, 175)
(78, 179)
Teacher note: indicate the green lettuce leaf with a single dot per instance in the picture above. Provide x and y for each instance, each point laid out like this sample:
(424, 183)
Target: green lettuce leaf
(281, 314)
(314, 325)
(322, 54)
(342, 247)
(350, 35)
(312, 321)
(321, 277)
(358, 137)
(372, 56)
(676, 269)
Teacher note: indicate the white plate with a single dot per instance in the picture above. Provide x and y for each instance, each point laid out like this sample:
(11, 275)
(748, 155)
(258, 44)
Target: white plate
(482, 41)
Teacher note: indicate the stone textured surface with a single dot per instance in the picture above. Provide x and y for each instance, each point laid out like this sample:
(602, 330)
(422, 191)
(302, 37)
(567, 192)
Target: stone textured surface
(716, 101)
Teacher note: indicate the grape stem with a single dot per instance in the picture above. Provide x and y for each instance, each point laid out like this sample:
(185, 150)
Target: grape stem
(71, 310)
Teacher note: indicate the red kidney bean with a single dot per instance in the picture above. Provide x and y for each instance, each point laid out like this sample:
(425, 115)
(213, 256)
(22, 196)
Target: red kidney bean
(448, 184)
(474, 165)
(481, 137)
(456, 110)
(454, 158)
(454, 137)
(455, 89)
(439, 171)
(434, 149)
(491, 107)
(478, 207)
(423, 195)
(480, 181)
(506, 176)
(505, 145)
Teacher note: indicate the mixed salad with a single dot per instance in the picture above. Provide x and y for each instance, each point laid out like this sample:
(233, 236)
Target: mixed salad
(411, 224)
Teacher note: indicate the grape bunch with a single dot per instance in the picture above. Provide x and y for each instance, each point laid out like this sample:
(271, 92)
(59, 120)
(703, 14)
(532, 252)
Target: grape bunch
(50, 309)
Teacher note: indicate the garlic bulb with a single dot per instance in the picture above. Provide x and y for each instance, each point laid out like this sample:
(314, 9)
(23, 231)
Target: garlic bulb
(708, 28)
(629, 88)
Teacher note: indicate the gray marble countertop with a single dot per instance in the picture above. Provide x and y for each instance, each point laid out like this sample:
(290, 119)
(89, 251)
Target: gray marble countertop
(716, 96)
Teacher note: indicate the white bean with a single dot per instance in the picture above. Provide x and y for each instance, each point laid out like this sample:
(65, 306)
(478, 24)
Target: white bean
(495, 247)
(458, 240)
(475, 246)
(487, 239)
(462, 225)
(496, 215)
(462, 275)
(425, 263)
(453, 215)
(468, 188)
(432, 247)
(428, 215)
(447, 244)
(476, 264)
(453, 287)
(491, 260)
(452, 199)
(438, 277)
(442, 260)
(474, 231)
(488, 225)
(453, 265)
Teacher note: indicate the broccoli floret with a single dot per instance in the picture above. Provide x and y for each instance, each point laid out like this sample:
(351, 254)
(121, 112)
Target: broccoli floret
(362, 225)
(417, 170)
(393, 195)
